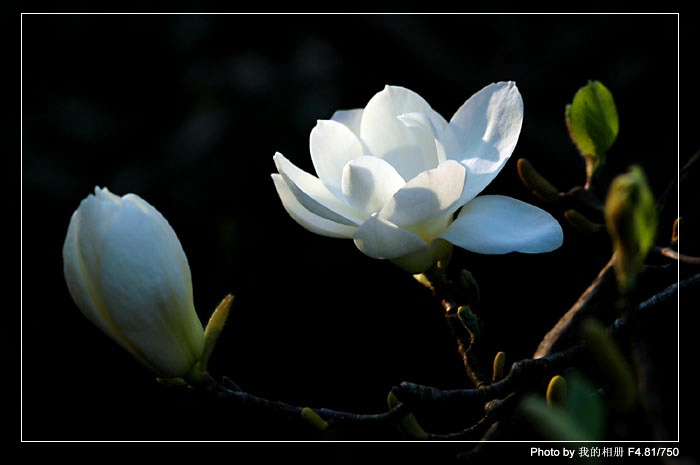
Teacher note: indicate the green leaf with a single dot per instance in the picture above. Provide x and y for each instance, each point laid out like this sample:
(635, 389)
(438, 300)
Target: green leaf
(551, 424)
(592, 122)
(582, 418)
(632, 220)
(213, 330)
(611, 364)
(585, 405)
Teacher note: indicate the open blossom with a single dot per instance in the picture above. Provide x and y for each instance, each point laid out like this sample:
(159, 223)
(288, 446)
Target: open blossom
(393, 175)
(128, 274)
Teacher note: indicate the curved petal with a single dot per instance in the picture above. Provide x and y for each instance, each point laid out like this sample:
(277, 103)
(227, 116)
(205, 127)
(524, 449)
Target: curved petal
(387, 137)
(495, 224)
(431, 194)
(147, 290)
(314, 195)
(81, 256)
(307, 219)
(78, 269)
(333, 145)
(425, 133)
(369, 183)
(379, 238)
(487, 128)
(442, 133)
(350, 118)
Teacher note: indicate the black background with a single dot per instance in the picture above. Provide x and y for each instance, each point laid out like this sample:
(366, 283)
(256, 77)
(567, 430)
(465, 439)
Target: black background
(188, 110)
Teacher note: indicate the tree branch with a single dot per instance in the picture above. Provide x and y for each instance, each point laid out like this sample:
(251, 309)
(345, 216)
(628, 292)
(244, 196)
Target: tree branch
(467, 345)
(596, 297)
(219, 392)
(530, 371)
(672, 254)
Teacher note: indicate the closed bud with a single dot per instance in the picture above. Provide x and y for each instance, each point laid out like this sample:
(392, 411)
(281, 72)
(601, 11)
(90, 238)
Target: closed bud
(580, 222)
(314, 419)
(537, 183)
(468, 284)
(674, 231)
(499, 365)
(408, 423)
(128, 274)
(631, 219)
(557, 392)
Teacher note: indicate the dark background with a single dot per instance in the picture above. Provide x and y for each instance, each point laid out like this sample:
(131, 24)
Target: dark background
(188, 110)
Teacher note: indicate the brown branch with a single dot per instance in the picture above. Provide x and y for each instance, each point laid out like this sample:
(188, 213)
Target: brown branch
(467, 344)
(533, 371)
(674, 185)
(522, 373)
(596, 297)
(220, 392)
(672, 254)
(582, 198)
(493, 412)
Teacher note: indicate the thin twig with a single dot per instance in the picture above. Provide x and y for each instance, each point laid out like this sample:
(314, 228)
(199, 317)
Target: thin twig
(674, 185)
(529, 371)
(333, 417)
(594, 297)
(582, 198)
(521, 374)
(494, 411)
(672, 254)
(468, 347)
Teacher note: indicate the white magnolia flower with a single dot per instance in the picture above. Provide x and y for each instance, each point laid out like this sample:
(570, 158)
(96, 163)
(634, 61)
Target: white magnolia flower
(392, 176)
(127, 272)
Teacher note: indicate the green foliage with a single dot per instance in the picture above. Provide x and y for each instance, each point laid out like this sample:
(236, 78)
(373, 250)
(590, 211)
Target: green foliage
(631, 219)
(580, 418)
(585, 405)
(606, 355)
(593, 123)
(213, 329)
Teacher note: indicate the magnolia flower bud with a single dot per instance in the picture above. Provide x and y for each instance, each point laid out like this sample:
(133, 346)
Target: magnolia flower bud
(127, 272)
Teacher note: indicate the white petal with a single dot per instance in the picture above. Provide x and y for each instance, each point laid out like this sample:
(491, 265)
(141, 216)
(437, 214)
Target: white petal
(332, 146)
(378, 238)
(350, 118)
(369, 183)
(487, 127)
(387, 137)
(307, 219)
(430, 195)
(314, 195)
(81, 256)
(147, 288)
(494, 224)
(425, 133)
